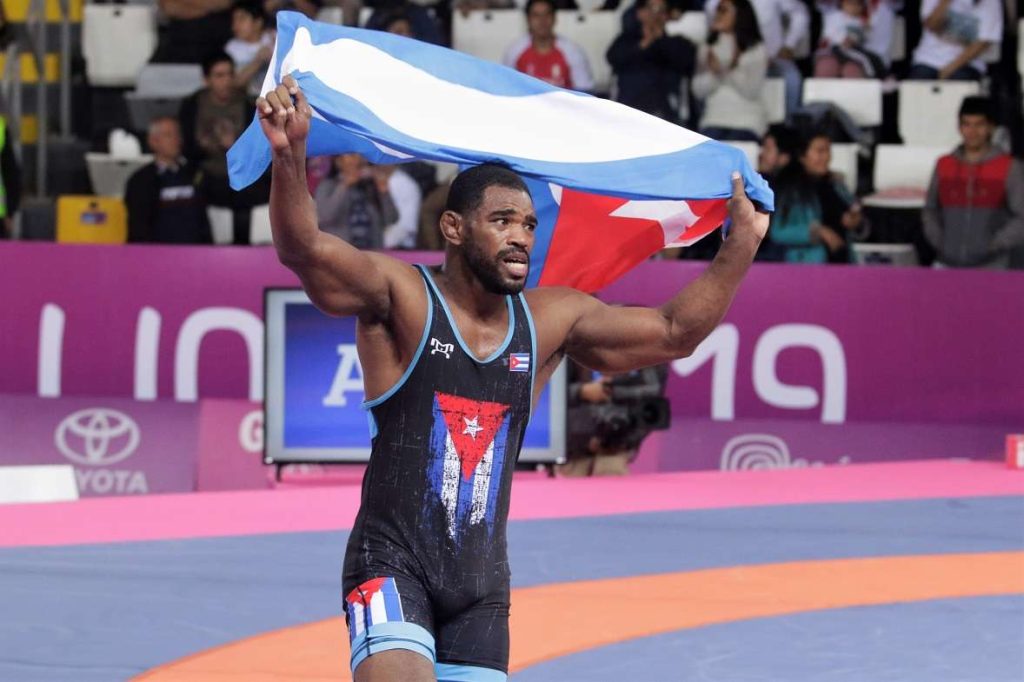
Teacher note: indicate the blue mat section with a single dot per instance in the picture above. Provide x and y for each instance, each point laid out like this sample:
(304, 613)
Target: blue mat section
(104, 612)
(950, 640)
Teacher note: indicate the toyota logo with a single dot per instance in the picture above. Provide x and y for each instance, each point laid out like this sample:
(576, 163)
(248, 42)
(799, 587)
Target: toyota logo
(97, 436)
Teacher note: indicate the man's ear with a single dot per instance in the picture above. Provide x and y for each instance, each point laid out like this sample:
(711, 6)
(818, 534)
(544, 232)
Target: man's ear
(452, 227)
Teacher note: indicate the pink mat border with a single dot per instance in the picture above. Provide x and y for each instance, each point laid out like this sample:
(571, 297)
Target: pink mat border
(200, 515)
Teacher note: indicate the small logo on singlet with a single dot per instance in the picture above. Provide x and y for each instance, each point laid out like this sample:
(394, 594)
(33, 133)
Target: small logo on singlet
(444, 349)
(519, 362)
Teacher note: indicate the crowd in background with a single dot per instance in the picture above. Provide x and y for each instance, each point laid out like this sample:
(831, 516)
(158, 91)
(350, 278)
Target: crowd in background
(973, 215)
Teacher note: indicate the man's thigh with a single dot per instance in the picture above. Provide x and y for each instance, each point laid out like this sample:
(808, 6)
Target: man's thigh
(473, 645)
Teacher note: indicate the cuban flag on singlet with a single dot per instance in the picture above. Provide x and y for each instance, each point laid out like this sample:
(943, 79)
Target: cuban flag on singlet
(468, 448)
(374, 602)
(611, 185)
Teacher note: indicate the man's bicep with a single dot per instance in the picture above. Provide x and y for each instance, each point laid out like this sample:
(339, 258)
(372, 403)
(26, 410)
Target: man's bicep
(613, 338)
(342, 280)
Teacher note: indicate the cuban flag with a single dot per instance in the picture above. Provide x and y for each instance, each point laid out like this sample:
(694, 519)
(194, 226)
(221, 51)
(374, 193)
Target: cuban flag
(519, 362)
(375, 601)
(611, 185)
(468, 448)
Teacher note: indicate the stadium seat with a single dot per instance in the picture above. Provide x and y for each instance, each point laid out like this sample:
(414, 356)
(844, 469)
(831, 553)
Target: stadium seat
(902, 174)
(109, 174)
(928, 111)
(330, 15)
(159, 90)
(861, 98)
(691, 25)
(884, 254)
(773, 97)
(751, 149)
(594, 32)
(1020, 47)
(844, 162)
(259, 228)
(488, 33)
(117, 41)
(222, 223)
(898, 46)
(84, 219)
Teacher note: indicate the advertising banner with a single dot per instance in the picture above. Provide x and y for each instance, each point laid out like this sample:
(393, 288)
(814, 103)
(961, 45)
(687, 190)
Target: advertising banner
(116, 446)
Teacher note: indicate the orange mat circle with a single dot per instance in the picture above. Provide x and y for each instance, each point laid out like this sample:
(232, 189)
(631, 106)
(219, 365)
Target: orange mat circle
(555, 620)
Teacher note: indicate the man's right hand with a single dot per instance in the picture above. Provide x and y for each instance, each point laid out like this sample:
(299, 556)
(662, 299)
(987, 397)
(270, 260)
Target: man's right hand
(284, 122)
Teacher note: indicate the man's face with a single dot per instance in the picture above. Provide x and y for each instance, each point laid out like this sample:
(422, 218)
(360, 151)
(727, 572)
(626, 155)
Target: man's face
(541, 21)
(498, 238)
(770, 159)
(653, 14)
(976, 131)
(221, 79)
(165, 139)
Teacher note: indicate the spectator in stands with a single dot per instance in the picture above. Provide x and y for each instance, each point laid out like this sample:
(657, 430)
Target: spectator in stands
(252, 46)
(211, 120)
(730, 75)
(815, 215)
(778, 147)
(781, 45)
(10, 181)
(399, 24)
(424, 26)
(354, 202)
(955, 36)
(547, 56)
(974, 210)
(192, 29)
(307, 7)
(164, 198)
(856, 36)
(649, 64)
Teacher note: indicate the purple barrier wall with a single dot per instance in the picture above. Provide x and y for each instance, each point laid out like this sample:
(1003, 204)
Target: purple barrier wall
(802, 346)
(117, 446)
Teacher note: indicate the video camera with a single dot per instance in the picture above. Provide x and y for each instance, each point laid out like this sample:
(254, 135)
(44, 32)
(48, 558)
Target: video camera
(624, 421)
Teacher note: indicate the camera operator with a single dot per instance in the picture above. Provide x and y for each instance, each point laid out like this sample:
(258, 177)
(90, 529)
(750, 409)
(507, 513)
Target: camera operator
(609, 415)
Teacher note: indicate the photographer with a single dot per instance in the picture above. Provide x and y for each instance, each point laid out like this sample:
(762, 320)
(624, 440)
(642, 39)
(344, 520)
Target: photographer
(609, 415)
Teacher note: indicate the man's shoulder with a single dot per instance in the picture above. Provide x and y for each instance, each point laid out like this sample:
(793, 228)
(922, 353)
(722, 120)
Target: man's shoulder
(560, 301)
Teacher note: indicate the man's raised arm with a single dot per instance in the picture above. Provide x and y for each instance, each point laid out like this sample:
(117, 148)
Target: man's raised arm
(339, 278)
(608, 338)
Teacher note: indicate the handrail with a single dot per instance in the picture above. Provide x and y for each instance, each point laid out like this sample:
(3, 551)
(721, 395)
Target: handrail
(35, 24)
(65, 68)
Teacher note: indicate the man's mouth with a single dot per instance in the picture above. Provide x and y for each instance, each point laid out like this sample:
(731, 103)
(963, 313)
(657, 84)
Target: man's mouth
(517, 264)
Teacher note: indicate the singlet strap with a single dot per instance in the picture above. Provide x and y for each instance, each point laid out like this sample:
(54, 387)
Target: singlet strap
(455, 328)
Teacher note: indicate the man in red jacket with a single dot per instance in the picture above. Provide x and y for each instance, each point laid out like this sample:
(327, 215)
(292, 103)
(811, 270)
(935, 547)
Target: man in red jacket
(974, 212)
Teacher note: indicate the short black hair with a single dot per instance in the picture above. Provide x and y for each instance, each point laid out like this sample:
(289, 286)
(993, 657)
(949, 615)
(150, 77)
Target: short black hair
(550, 3)
(467, 190)
(253, 9)
(978, 106)
(394, 17)
(213, 59)
(786, 138)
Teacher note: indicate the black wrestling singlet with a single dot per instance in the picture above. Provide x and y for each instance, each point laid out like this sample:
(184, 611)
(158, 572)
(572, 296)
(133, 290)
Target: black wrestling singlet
(445, 440)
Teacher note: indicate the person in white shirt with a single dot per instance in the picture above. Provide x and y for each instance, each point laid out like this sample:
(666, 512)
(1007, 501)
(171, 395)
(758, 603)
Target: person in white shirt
(730, 75)
(781, 45)
(407, 196)
(956, 35)
(251, 47)
(855, 39)
(546, 55)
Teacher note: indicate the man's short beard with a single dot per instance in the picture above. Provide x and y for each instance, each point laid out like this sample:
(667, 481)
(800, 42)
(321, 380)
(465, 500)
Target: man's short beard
(487, 272)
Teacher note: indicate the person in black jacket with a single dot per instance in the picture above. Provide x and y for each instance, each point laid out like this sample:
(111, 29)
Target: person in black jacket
(165, 200)
(649, 64)
(10, 181)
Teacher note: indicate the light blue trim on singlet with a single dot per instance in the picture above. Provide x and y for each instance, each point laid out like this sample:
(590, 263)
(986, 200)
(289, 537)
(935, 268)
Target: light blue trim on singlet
(455, 328)
(450, 672)
(389, 636)
(367, 404)
(533, 347)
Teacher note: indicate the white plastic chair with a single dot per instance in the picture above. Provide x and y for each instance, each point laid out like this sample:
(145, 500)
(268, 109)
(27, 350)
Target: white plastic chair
(844, 162)
(222, 224)
(898, 46)
(751, 149)
(330, 15)
(159, 90)
(901, 175)
(594, 33)
(691, 25)
(117, 41)
(773, 97)
(861, 98)
(488, 33)
(928, 111)
(109, 174)
(884, 254)
(259, 227)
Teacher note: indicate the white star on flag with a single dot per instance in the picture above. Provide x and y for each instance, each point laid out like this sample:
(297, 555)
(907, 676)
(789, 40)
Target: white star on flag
(472, 426)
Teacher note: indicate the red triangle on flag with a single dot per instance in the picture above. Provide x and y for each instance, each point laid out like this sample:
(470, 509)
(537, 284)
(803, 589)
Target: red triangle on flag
(472, 425)
(364, 593)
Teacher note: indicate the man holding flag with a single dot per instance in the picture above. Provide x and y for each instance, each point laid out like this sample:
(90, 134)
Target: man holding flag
(454, 357)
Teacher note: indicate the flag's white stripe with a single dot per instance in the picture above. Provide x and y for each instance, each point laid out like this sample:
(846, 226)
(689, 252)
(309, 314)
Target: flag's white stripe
(378, 614)
(481, 486)
(357, 617)
(450, 482)
(556, 126)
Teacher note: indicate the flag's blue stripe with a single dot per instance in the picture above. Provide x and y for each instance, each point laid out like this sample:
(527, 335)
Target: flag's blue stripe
(547, 215)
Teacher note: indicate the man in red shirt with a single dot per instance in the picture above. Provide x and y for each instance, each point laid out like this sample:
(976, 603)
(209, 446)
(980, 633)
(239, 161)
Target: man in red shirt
(546, 56)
